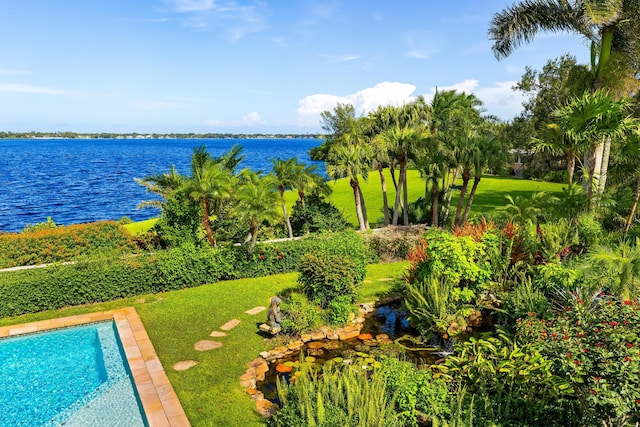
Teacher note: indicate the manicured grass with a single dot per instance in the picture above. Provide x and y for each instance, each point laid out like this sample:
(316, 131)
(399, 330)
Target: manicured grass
(210, 392)
(491, 193)
(140, 226)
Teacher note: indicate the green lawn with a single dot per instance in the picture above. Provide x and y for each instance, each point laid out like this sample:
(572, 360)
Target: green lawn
(210, 392)
(490, 195)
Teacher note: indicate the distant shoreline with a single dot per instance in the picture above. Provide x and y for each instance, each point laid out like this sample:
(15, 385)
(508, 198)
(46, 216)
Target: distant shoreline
(134, 135)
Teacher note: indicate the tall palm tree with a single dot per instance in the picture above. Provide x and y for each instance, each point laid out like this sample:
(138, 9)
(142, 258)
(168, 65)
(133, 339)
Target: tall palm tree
(380, 120)
(556, 141)
(612, 27)
(210, 183)
(590, 119)
(492, 155)
(257, 202)
(164, 185)
(284, 178)
(352, 161)
(307, 179)
(467, 153)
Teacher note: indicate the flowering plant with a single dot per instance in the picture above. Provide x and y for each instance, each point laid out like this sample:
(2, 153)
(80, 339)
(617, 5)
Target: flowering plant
(594, 341)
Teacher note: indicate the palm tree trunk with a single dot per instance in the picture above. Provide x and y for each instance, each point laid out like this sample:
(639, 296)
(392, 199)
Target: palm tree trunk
(301, 195)
(591, 170)
(396, 205)
(206, 224)
(435, 193)
(356, 195)
(604, 166)
(253, 231)
(385, 202)
(284, 212)
(392, 171)
(449, 192)
(466, 177)
(636, 197)
(571, 166)
(365, 217)
(472, 193)
(405, 196)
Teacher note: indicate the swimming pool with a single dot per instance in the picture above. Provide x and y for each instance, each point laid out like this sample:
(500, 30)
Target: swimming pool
(73, 377)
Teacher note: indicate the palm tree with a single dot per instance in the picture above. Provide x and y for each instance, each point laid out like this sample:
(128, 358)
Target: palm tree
(209, 184)
(165, 185)
(527, 210)
(284, 173)
(612, 27)
(257, 202)
(352, 161)
(588, 120)
(621, 267)
(556, 141)
(628, 169)
(491, 155)
(380, 120)
(307, 179)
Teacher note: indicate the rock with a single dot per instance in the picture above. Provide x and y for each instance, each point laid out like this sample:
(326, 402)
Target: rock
(348, 333)
(184, 365)
(266, 408)
(365, 337)
(230, 325)
(255, 394)
(206, 345)
(255, 310)
(383, 339)
(305, 337)
(295, 345)
(318, 335)
(315, 344)
(331, 335)
(260, 368)
(248, 383)
(217, 334)
(264, 328)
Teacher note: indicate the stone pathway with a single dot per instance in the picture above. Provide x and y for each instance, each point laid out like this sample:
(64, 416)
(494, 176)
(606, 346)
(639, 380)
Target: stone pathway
(207, 345)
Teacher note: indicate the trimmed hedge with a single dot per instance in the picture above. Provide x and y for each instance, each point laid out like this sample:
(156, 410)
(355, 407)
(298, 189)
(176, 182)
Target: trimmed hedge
(58, 244)
(98, 280)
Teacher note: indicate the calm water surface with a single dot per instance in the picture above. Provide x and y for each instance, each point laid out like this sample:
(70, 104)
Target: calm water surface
(76, 180)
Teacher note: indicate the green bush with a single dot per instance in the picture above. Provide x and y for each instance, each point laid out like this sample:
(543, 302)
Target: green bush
(326, 277)
(417, 393)
(299, 315)
(94, 280)
(391, 244)
(50, 244)
(318, 215)
(340, 308)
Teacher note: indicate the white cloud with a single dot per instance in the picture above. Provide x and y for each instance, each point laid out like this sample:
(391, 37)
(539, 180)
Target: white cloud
(13, 71)
(252, 119)
(35, 90)
(192, 5)
(364, 101)
(235, 19)
(500, 99)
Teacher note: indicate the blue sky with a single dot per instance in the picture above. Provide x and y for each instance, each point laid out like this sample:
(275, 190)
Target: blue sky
(246, 66)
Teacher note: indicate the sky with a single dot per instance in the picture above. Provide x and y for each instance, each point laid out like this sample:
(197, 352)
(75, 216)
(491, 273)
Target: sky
(247, 66)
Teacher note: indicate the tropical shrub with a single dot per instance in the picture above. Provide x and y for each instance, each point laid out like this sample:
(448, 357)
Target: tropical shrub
(299, 315)
(393, 244)
(318, 215)
(513, 383)
(418, 396)
(340, 309)
(594, 342)
(344, 396)
(325, 277)
(45, 245)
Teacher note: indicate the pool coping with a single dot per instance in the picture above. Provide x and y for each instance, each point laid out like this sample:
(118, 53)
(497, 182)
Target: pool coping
(159, 401)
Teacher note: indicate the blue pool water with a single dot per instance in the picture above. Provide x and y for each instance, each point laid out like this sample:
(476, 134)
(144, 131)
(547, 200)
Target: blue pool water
(72, 377)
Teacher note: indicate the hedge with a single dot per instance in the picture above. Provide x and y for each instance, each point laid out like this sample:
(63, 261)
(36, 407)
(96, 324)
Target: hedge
(59, 244)
(98, 280)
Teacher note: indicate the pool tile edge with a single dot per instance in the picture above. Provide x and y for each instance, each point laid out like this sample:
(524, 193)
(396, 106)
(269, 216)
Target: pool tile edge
(159, 401)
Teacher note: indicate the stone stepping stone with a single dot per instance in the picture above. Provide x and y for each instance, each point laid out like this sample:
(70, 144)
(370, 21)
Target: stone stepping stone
(256, 310)
(217, 334)
(230, 325)
(184, 365)
(206, 345)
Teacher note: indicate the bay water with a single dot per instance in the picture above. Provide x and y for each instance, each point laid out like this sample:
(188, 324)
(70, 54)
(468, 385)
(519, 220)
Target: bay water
(85, 180)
